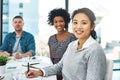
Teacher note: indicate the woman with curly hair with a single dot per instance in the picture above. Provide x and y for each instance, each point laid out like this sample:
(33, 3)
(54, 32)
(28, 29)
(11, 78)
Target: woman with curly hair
(59, 18)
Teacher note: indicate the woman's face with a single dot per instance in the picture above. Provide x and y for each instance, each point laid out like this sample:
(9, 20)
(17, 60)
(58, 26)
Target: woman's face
(59, 23)
(81, 26)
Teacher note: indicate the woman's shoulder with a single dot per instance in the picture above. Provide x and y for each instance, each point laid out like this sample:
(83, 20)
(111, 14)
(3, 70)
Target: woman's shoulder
(52, 37)
(96, 49)
(72, 36)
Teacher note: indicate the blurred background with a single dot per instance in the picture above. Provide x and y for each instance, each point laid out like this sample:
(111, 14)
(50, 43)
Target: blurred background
(35, 14)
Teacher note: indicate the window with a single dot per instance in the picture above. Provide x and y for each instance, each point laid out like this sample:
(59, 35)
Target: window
(34, 13)
(20, 5)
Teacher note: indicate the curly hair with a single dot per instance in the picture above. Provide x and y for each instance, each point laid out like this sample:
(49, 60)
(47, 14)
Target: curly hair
(59, 12)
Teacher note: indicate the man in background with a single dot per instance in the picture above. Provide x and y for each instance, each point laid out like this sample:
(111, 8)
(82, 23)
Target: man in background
(18, 43)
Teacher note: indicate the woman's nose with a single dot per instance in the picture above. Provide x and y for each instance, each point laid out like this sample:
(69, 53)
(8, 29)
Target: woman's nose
(58, 24)
(78, 26)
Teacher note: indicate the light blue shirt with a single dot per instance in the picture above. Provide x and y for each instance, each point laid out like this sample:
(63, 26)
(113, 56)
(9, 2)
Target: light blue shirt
(87, 63)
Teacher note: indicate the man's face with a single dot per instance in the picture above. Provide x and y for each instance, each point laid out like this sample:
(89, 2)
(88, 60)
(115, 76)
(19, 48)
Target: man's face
(18, 24)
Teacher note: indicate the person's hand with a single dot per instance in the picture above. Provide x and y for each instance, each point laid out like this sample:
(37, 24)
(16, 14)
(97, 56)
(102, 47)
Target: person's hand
(17, 55)
(5, 53)
(33, 73)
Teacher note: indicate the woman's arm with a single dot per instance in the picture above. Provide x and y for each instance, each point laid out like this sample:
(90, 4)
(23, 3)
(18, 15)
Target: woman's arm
(96, 67)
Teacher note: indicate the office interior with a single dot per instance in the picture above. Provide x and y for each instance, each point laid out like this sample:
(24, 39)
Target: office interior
(35, 14)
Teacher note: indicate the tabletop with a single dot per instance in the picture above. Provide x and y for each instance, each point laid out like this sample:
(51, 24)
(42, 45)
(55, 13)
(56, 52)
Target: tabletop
(16, 68)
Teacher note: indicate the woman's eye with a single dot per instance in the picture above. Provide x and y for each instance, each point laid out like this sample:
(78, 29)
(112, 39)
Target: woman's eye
(74, 22)
(55, 22)
(84, 23)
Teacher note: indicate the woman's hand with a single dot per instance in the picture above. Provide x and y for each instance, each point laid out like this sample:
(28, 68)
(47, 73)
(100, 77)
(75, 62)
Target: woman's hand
(33, 73)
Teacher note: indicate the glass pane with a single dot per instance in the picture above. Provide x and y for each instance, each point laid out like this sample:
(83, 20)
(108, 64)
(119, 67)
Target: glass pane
(106, 23)
(35, 14)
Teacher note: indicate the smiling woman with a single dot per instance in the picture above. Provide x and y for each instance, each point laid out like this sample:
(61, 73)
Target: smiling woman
(107, 24)
(59, 41)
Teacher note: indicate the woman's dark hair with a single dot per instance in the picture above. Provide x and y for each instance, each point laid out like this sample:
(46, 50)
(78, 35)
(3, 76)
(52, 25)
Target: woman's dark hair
(59, 12)
(90, 15)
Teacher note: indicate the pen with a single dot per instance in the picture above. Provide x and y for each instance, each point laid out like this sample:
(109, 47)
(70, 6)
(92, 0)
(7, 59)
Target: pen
(31, 67)
(34, 63)
(28, 67)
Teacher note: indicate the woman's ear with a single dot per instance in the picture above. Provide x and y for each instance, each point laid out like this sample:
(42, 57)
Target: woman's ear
(93, 27)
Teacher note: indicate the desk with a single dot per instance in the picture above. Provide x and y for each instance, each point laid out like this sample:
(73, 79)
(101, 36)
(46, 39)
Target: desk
(116, 70)
(15, 68)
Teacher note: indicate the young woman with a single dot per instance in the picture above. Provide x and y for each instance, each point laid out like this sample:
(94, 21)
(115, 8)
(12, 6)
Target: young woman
(59, 18)
(84, 58)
